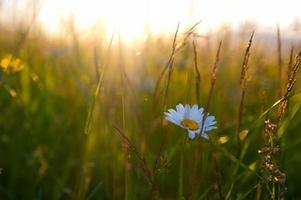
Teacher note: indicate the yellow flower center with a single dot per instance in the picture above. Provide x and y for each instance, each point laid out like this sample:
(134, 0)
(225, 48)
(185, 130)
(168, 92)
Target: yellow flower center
(191, 124)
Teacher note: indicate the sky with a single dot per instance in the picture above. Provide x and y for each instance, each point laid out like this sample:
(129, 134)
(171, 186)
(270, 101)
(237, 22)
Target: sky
(130, 17)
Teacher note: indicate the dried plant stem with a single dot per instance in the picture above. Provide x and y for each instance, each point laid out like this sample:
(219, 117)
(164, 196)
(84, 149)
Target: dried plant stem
(176, 48)
(156, 166)
(284, 104)
(170, 70)
(169, 62)
(290, 64)
(142, 165)
(96, 64)
(279, 62)
(213, 80)
(292, 79)
(197, 74)
(243, 82)
(290, 84)
(133, 150)
(181, 168)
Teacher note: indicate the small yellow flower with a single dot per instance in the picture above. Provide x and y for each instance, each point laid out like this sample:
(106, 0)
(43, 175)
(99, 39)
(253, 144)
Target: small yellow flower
(9, 64)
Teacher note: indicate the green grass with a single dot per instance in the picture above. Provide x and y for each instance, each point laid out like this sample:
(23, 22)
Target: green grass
(68, 131)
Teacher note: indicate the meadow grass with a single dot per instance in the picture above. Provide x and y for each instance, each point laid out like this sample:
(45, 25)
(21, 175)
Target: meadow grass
(83, 117)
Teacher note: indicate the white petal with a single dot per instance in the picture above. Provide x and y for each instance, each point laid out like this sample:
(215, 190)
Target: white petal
(180, 109)
(204, 135)
(187, 111)
(191, 134)
(201, 110)
(167, 114)
(209, 128)
(175, 115)
(194, 107)
(193, 114)
(173, 121)
(197, 116)
(210, 121)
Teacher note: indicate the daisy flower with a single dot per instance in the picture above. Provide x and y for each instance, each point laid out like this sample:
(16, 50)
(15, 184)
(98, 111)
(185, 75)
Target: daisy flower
(191, 119)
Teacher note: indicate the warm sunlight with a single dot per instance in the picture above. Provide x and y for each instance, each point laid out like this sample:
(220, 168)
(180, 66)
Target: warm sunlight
(131, 18)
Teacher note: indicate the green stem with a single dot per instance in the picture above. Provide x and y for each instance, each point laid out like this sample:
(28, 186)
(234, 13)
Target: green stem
(180, 193)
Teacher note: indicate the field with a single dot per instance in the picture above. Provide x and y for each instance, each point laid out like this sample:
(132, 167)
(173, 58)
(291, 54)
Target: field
(82, 115)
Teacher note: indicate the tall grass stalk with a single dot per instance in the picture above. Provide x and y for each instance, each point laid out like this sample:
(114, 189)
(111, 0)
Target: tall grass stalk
(206, 108)
(167, 65)
(290, 84)
(80, 182)
(243, 82)
(290, 64)
(280, 67)
(176, 48)
(197, 73)
(212, 84)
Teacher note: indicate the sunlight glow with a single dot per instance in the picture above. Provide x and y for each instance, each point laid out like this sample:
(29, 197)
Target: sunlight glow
(132, 18)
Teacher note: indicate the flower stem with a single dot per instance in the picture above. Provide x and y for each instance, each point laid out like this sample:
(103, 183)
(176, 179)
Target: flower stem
(180, 190)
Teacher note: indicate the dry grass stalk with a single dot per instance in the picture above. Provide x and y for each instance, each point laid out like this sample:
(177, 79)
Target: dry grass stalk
(162, 163)
(169, 62)
(279, 62)
(190, 32)
(213, 80)
(293, 73)
(290, 84)
(290, 63)
(176, 48)
(243, 82)
(197, 74)
(170, 70)
(131, 149)
(96, 64)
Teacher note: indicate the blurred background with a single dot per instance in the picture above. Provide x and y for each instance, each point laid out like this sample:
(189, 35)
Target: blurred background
(79, 89)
